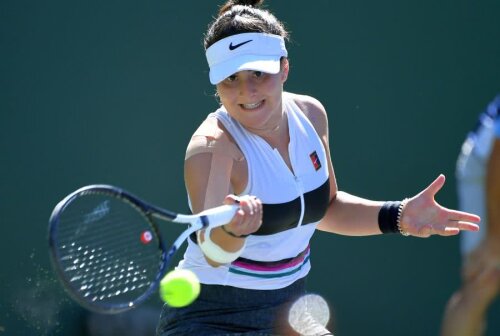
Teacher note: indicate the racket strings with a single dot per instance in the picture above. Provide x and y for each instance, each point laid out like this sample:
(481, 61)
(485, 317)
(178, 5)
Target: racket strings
(106, 282)
(109, 277)
(108, 235)
(111, 262)
(89, 272)
(98, 286)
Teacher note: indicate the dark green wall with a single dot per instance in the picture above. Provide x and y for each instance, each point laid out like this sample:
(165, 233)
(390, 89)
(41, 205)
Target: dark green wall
(110, 91)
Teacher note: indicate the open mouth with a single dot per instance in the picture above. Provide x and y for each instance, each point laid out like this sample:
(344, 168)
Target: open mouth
(252, 106)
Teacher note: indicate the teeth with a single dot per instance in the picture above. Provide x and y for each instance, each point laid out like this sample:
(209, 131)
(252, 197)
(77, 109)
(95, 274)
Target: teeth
(252, 106)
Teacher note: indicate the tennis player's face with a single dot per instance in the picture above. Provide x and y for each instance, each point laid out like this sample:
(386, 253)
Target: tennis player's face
(254, 97)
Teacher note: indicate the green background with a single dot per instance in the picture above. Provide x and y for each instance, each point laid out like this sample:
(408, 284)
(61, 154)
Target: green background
(110, 92)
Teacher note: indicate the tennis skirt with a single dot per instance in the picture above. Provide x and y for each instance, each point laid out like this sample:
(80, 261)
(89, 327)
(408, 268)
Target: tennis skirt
(225, 310)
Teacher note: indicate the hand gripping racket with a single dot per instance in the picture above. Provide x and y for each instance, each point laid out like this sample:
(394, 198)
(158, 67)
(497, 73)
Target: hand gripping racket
(107, 250)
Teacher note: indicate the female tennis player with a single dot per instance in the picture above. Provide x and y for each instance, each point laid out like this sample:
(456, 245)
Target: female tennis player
(267, 150)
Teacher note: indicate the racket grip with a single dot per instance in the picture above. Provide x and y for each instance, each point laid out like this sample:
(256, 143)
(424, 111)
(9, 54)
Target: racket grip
(220, 215)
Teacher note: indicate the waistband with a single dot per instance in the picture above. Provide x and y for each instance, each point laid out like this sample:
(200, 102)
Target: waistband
(236, 297)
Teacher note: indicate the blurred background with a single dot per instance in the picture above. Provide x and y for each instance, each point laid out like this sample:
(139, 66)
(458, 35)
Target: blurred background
(110, 92)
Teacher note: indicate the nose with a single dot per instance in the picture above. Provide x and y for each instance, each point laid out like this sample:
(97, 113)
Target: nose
(247, 87)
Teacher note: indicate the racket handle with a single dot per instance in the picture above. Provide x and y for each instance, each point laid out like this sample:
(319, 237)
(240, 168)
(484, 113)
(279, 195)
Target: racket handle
(220, 215)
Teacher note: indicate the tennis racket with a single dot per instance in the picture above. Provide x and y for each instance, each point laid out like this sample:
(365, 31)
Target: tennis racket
(107, 250)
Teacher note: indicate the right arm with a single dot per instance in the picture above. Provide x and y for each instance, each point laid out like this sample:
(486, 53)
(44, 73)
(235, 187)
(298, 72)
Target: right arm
(208, 171)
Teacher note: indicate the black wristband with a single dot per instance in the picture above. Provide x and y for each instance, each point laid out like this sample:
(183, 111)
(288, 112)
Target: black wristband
(232, 234)
(388, 217)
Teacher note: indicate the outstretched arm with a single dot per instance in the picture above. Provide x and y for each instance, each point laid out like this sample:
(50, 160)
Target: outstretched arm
(422, 216)
(350, 215)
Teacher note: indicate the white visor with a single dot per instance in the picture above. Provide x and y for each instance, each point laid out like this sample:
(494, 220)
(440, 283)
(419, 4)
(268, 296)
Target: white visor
(247, 51)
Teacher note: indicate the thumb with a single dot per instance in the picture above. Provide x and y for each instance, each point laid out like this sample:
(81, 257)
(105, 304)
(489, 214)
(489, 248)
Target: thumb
(435, 186)
(231, 199)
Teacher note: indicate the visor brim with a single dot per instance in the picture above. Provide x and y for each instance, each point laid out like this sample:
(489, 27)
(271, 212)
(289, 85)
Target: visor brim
(267, 64)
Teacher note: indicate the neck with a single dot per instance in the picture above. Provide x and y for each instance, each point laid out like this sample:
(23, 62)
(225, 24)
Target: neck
(274, 131)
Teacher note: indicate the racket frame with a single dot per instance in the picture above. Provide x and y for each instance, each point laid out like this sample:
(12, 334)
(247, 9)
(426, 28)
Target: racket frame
(211, 217)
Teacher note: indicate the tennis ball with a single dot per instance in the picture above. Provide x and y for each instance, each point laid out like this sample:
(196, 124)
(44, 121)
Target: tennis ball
(179, 288)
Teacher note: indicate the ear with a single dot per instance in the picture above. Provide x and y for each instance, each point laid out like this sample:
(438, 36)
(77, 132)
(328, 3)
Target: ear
(285, 67)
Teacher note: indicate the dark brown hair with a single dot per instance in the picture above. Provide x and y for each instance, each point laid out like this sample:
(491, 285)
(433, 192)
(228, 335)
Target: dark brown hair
(240, 16)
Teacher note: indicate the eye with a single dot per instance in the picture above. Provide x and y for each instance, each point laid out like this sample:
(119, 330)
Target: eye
(231, 78)
(258, 74)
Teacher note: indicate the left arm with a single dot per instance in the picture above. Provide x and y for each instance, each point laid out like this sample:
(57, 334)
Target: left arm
(347, 214)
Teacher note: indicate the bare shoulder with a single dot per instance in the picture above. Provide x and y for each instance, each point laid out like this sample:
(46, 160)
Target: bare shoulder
(212, 137)
(209, 164)
(213, 129)
(314, 110)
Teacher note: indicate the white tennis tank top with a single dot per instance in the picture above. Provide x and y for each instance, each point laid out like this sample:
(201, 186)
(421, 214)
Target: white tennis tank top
(278, 253)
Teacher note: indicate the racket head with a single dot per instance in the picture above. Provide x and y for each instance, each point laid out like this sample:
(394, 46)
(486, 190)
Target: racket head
(106, 248)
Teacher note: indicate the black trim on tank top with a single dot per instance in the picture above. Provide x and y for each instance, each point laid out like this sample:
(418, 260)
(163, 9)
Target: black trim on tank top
(285, 216)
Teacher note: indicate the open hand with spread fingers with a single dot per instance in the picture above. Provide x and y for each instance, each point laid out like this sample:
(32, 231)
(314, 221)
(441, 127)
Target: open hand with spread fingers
(422, 216)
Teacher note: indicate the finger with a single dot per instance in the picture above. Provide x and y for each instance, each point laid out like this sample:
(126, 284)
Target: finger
(258, 213)
(450, 231)
(435, 186)
(443, 230)
(256, 218)
(231, 199)
(257, 204)
(248, 206)
(463, 225)
(238, 217)
(463, 216)
(240, 223)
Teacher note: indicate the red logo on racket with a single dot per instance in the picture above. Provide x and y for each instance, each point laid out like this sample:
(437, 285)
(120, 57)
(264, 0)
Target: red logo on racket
(146, 237)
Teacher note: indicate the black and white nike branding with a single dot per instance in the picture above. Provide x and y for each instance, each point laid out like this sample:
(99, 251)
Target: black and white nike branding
(232, 47)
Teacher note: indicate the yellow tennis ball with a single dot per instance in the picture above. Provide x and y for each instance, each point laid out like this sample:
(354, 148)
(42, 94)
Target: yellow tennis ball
(179, 288)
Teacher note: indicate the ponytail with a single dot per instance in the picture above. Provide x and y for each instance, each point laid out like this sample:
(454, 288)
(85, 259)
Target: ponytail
(230, 3)
(243, 16)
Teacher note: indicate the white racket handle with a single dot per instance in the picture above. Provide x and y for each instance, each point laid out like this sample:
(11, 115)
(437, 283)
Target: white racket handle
(220, 215)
